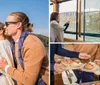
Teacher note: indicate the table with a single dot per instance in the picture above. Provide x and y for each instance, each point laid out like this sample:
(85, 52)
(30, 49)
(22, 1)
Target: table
(58, 79)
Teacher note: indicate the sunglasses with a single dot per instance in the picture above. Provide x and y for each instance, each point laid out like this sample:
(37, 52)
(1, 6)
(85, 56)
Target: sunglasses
(8, 23)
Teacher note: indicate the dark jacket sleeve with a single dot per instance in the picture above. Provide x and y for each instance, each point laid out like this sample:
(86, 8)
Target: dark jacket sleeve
(63, 52)
(66, 26)
(58, 49)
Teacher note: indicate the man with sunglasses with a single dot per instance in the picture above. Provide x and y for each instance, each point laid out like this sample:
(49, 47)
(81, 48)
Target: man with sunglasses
(31, 65)
(8, 23)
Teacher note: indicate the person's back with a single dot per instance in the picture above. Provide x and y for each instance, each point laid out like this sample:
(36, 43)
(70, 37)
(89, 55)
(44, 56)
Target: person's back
(43, 57)
(56, 32)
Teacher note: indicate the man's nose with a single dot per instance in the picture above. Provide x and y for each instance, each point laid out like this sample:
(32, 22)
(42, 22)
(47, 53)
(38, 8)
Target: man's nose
(5, 27)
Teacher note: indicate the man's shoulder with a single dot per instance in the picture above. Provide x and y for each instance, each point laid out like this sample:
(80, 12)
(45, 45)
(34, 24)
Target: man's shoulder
(31, 38)
(32, 42)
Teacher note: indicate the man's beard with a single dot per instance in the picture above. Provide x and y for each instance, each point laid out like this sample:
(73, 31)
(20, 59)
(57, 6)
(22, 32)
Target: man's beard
(6, 33)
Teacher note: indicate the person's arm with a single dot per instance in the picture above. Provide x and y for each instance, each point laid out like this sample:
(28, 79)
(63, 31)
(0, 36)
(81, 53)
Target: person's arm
(66, 25)
(57, 49)
(33, 54)
(63, 52)
(56, 25)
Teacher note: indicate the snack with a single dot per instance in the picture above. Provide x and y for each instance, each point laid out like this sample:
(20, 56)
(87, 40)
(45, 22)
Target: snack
(66, 61)
(58, 61)
(89, 66)
(69, 61)
(76, 63)
(97, 62)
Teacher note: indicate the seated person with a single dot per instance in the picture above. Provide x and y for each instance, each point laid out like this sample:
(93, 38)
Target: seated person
(58, 49)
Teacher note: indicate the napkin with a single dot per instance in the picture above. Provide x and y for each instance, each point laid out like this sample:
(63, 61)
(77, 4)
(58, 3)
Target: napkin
(65, 78)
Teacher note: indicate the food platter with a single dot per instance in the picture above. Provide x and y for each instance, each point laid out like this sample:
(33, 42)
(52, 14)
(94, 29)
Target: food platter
(91, 67)
(70, 64)
(77, 64)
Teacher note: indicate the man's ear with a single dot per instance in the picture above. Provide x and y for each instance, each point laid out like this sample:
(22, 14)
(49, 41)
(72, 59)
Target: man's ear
(1, 32)
(19, 24)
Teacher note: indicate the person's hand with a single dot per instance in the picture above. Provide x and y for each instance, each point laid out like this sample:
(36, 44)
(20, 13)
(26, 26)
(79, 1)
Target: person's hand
(3, 63)
(84, 56)
(67, 22)
(59, 68)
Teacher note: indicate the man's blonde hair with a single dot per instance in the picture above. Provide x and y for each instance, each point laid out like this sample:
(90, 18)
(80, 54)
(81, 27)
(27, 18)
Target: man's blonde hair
(22, 17)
